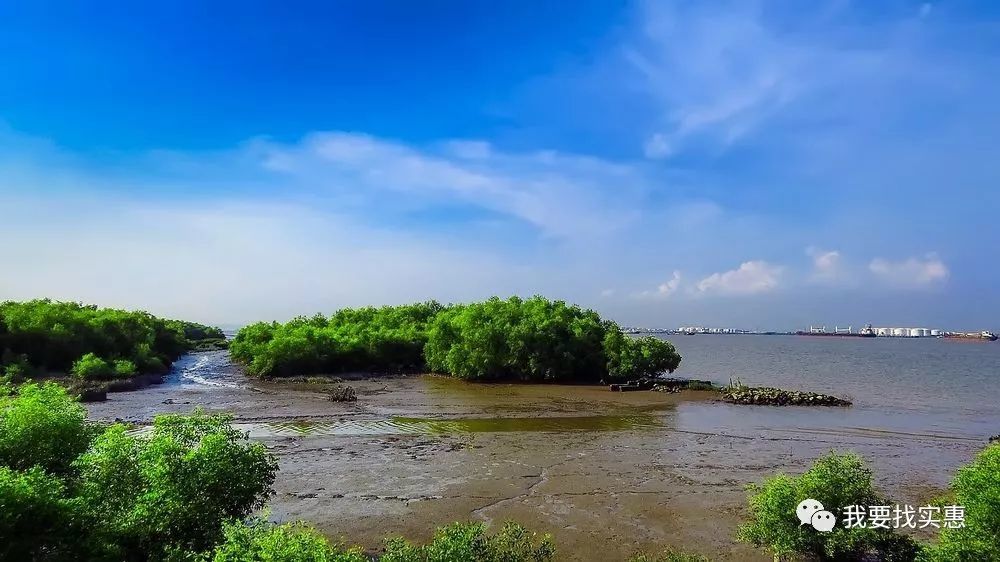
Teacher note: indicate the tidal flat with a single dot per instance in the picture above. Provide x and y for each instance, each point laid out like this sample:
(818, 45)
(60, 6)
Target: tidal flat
(603, 472)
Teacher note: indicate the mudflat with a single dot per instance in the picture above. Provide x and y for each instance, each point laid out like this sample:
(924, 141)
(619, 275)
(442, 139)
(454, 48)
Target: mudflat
(607, 474)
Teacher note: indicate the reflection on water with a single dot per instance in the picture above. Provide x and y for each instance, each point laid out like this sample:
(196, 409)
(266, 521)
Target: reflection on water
(428, 426)
(403, 425)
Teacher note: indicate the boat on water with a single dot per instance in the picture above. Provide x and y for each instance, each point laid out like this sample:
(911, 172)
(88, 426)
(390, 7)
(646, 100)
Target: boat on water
(985, 335)
(866, 332)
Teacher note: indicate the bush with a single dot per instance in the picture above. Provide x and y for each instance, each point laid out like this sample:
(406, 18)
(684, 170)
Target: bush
(977, 489)
(36, 520)
(123, 369)
(386, 339)
(514, 339)
(460, 542)
(173, 487)
(836, 481)
(531, 340)
(259, 541)
(631, 358)
(52, 335)
(16, 369)
(42, 426)
(92, 368)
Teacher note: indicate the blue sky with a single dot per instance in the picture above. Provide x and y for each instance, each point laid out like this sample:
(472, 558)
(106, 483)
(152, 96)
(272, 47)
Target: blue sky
(754, 164)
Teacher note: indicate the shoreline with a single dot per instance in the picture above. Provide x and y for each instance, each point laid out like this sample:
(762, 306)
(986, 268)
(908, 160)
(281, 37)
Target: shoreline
(671, 477)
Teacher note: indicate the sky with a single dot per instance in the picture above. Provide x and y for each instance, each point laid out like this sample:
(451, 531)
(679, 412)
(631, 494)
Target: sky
(768, 165)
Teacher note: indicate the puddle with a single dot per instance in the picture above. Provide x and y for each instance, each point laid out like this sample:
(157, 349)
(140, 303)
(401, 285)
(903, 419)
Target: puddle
(407, 425)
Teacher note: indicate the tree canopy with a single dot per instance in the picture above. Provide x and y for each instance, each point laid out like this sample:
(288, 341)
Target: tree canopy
(514, 339)
(48, 336)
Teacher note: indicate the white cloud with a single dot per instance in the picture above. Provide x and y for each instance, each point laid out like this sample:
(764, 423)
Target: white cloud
(671, 286)
(912, 272)
(827, 265)
(715, 71)
(657, 147)
(663, 290)
(751, 277)
(608, 293)
(563, 195)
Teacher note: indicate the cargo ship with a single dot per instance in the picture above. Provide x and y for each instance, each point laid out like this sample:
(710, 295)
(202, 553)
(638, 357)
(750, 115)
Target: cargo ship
(985, 335)
(866, 332)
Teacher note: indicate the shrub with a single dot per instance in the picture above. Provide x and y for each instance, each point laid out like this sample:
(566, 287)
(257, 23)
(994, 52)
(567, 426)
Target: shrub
(90, 367)
(259, 541)
(460, 542)
(42, 426)
(533, 340)
(977, 489)
(836, 481)
(17, 369)
(52, 335)
(36, 520)
(385, 339)
(630, 358)
(123, 369)
(173, 487)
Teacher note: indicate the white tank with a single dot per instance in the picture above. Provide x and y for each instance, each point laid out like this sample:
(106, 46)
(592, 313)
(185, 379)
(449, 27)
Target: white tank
(935, 333)
(914, 332)
(899, 332)
(883, 332)
(924, 332)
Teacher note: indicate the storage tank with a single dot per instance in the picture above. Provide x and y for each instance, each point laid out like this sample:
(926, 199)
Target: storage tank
(935, 333)
(899, 332)
(883, 332)
(924, 332)
(914, 332)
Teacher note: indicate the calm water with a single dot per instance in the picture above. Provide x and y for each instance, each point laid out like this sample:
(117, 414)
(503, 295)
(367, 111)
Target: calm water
(928, 387)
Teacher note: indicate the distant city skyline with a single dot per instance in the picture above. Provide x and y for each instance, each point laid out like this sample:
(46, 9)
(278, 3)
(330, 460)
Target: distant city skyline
(772, 164)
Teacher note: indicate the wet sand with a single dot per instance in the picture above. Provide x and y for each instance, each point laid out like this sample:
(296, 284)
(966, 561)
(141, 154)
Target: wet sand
(607, 474)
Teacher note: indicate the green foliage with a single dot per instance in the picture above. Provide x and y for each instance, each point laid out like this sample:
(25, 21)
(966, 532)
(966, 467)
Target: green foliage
(460, 542)
(42, 426)
(16, 368)
(669, 556)
(51, 336)
(977, 489)
(532, 340)
(174, 486)
(123, 369)
(836, 481)
(514, 339)
(37, 521)
(90, 367)
(630, 358)
(259, 541)
(386, 339)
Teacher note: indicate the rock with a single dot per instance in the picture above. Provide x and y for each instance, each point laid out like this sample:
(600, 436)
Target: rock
(740, 394)
(995, 439)
(343, 394)
(97, 394)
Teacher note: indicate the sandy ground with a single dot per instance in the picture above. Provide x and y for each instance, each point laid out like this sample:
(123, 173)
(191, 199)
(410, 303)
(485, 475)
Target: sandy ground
(625, 479)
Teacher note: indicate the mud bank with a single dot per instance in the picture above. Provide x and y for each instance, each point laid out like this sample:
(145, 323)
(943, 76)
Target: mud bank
(604, 472)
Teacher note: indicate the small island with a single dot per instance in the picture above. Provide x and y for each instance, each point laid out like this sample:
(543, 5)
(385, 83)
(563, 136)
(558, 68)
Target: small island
(513, 340)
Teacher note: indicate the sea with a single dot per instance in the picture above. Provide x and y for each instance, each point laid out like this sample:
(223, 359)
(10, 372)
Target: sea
(923, 387)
